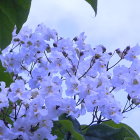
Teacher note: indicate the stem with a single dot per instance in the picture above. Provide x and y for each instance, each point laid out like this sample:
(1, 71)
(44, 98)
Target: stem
(84, 73)
(91, 64)
(68, 73)
(125, 106)
(131, 108)
(79, 102)
(114, 64)
(47, 57)
(19, 109)
(99, 119)
(25, 68)
(77, 66)
(92, 119)
(112, 89)
(15, 112)
(13, 47)
(108, 61)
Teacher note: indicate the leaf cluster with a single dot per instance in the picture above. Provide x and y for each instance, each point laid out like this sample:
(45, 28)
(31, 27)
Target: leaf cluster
(68, 128)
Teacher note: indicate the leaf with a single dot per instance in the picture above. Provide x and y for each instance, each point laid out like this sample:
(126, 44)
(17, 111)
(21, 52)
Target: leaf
(84, 128)
(5, 115)
(74, 121)
(68, 126)
(128, 138)
(5, 76)
(120, 125)
(105, 132)
(58, 130)
(64, 129)
(12, 12)
(93, 3)
(6, 28)
(92, 138)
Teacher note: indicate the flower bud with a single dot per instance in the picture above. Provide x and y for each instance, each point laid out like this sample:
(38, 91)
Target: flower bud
(110, 53)
(54, 44)
(103, 49)
(97, 56)
(118, 51)
(128, 97)
(81, 53)
(75, 39)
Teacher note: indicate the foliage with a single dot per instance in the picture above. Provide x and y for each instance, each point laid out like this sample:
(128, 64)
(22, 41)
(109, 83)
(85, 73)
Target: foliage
(122, 125)
(93, 3)
(5, 76)
(12, 12)
(106, 131)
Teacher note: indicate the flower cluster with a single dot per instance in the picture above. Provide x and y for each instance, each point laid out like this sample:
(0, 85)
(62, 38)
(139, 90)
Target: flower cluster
(53, 75)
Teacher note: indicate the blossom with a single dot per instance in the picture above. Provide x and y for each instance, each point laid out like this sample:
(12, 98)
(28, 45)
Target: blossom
(133, 53)
(54, 75)
(3, 95)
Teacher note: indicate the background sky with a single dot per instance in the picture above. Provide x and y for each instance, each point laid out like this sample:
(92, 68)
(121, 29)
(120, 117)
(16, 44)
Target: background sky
(116, 25)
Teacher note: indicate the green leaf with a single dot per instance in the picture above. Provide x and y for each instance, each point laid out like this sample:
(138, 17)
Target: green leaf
(64, 129)
(68, 126)
(120, 125)
(5, 76)
(74, 121)
(128, 138)
(5, 115)
(93, 3)
(6, 28)
(92, 138)
(105, 132)
(12, 12)
(58, 130)
(84, 128)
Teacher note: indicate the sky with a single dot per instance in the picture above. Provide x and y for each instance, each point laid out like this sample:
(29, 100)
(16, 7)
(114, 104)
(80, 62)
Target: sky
(116, 25)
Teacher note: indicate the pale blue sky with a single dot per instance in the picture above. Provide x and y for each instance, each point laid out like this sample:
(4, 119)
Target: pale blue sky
(116, 25)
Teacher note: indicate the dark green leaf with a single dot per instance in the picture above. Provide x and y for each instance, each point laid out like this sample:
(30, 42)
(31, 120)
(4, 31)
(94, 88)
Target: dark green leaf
(92, 138)
(5, 76)
(74, 121)
(12, 12)
(6, 28)
(84, 128)
(58, 130)
(68, 126)
(128, 138)
(105, 132)
(120, 125)
(5, 115)
(93, 3)
(64, 129)
(8, 120)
